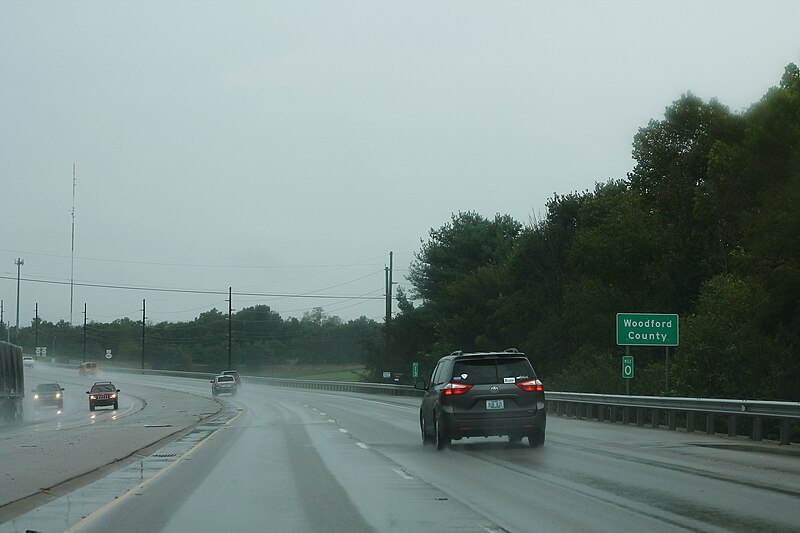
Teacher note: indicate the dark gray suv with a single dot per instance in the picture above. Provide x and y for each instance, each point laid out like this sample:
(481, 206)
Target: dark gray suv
(480, 395)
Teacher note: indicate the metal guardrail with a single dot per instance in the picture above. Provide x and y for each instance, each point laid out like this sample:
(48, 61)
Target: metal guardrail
(602, 407)
(620, 408)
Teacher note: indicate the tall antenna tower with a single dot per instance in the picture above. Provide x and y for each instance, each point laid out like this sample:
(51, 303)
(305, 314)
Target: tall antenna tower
(72, 256)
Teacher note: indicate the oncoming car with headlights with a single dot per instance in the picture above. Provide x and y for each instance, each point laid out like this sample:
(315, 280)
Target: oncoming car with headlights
(48, 394)
(103, 393)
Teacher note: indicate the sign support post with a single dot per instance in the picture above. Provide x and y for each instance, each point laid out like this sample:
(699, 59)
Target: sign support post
(627, 381)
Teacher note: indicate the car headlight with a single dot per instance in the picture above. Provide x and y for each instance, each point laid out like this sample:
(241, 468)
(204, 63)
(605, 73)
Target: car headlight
(113, 396)
(35, 396)
(58, 395)
(92, 397)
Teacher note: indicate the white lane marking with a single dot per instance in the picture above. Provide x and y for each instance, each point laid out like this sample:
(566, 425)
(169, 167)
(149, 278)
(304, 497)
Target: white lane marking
(88, 519)
(332, 420)
(401, 473)
(343, 430)
(362, 445)
(323, 414)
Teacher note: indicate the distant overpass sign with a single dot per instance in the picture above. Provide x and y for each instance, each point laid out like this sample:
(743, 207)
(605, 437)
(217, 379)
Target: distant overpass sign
(641, 329)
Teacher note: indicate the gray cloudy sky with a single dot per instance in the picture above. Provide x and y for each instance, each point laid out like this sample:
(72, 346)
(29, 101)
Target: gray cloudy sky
(284, 148)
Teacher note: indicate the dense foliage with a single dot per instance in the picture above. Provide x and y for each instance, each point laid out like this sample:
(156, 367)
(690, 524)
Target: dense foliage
(707, 225)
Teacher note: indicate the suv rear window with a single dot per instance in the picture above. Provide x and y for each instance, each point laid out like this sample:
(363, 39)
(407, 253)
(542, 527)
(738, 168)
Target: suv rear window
(488, 371)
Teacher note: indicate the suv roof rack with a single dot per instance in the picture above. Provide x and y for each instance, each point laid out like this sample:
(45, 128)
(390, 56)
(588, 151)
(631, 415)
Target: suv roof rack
(509, 352)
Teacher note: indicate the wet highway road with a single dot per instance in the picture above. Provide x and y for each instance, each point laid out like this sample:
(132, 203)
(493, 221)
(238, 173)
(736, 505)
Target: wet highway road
(295, 460)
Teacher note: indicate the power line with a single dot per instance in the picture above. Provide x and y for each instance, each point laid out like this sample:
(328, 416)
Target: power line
(199, 291)
(195, 265)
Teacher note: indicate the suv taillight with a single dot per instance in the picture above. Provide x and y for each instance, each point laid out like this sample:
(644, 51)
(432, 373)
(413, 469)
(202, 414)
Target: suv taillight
(532, 385)
(455, 388)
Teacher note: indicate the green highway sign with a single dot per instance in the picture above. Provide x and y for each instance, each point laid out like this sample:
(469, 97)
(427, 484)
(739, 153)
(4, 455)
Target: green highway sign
(627, 367)
(415, 369)
(642, 329)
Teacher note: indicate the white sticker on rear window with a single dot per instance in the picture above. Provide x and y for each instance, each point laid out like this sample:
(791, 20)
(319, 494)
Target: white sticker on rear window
(508, 380)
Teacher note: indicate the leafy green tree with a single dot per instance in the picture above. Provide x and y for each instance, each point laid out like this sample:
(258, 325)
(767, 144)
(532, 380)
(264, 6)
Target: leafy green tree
(723, 351)
(671, 174)
(466, 243)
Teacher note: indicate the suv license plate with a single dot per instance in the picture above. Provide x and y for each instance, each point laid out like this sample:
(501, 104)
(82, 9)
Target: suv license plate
(494, 404)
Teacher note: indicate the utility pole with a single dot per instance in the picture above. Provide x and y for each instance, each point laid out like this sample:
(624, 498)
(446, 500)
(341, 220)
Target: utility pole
(8, 337)
(72, 256)
(386, 295)
(389, 291)
(143, 320)
(230, 310)
(36, 329)
(19, 262)
(84, 332)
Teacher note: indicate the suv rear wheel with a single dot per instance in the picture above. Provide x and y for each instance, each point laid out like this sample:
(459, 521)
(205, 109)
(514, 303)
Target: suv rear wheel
(536, 438)
(426, 439)
(440, 439)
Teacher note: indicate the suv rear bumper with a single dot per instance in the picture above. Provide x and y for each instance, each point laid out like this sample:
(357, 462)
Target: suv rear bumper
(457, 428)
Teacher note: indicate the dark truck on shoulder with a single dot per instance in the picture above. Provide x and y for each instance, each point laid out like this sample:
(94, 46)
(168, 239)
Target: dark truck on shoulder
(12, 382)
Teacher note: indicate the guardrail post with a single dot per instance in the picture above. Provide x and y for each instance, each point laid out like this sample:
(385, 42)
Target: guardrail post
(639, 416)
(601, 413)
(579, 413)
(710, 423)
(757, 433)
(671, 420)
(625, 416)
(613, 414)
(655, 418)
(732, 426)
(785, 432)
(690, 422)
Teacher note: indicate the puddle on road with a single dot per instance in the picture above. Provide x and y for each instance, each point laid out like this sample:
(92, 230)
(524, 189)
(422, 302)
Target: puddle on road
(66, 511)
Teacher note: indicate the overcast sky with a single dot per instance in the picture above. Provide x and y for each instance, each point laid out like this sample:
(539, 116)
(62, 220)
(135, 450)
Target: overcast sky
(284, 148)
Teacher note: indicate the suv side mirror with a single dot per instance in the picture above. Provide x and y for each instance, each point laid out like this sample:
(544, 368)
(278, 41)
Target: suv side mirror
(420, 385)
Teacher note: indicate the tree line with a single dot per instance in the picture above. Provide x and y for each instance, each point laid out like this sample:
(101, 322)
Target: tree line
(706, 226)
(259, 340)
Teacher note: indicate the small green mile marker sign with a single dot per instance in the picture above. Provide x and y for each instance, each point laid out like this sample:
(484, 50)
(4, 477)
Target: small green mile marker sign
(641, 329)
